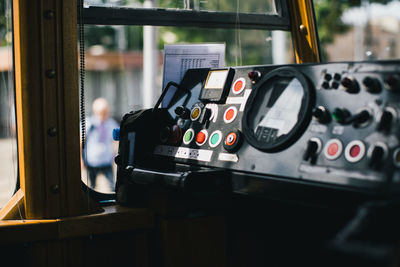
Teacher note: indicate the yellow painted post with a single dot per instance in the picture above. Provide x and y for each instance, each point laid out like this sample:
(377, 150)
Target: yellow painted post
(304, 31)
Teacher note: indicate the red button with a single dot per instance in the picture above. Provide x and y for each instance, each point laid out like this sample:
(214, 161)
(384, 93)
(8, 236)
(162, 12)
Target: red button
(201, 137)
(355, 151)
(229, 114)
(238, 86)
(333, 149)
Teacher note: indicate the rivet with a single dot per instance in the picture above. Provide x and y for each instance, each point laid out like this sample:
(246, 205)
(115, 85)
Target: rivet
(52, 131)
(50, 74)
(55, 189)
(49, 14)
(303, 29)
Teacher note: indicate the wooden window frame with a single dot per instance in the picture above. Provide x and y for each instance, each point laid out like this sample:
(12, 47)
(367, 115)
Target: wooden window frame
(47, 93)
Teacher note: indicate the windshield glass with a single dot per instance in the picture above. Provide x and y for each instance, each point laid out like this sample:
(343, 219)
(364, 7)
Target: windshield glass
(358, 30)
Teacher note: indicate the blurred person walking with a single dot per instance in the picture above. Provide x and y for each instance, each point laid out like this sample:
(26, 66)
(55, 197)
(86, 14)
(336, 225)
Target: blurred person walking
(100, 148)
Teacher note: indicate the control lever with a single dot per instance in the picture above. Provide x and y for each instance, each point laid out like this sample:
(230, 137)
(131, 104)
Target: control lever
(313, 147)
(385, 122)
(343, 116)
(376, 158)
(360, 118)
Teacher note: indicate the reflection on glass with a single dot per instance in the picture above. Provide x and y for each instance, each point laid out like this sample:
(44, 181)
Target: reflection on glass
(248, 6)
(8, 145)
(350, 30)
(277, 109)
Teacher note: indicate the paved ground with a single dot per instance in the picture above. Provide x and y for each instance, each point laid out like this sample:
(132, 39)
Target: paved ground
(8, 172)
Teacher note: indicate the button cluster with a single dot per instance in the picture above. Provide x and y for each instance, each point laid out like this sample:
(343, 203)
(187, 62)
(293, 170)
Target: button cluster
(232, 140)
(370, 84)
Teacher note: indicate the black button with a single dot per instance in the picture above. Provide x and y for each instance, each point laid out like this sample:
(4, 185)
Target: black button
(337, 76)
(327, 77)
(325, 85)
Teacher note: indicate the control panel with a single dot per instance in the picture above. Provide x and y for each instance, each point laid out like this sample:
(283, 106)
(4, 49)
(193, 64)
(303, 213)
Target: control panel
(335, 124)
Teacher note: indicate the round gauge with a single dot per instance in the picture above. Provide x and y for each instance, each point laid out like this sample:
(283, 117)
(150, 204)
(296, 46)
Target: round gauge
(278, 110)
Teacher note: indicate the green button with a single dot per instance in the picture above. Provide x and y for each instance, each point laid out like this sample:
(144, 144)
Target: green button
(215, 138)
(188, 136)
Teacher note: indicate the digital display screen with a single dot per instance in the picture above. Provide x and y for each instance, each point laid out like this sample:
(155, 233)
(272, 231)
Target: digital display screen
(216, 79)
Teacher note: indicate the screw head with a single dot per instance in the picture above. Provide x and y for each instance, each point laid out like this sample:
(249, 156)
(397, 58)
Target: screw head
(50, 73)
(303, 29)
(49, 14)
(55, 189)
(52, 131)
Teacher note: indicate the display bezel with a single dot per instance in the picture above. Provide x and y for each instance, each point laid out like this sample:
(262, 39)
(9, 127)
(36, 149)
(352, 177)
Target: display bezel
(304, 116)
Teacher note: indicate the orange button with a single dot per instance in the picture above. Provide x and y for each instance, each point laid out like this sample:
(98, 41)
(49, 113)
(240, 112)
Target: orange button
(230, 139)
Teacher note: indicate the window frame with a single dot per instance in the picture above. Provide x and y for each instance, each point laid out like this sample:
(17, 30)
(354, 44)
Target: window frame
(179, 17)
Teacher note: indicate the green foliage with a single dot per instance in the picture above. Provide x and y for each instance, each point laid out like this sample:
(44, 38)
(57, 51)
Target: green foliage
(3, 23)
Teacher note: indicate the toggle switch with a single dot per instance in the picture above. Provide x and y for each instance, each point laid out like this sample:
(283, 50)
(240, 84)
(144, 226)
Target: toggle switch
(205, 116)
(313, 148)
(376, 155)
(341, 115)
(350, 85)
(386, 120)
(361, 119)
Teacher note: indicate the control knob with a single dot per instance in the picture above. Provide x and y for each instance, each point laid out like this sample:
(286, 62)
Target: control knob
(372, 85)
(321, 114)
(393, 82)
(350, 85)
